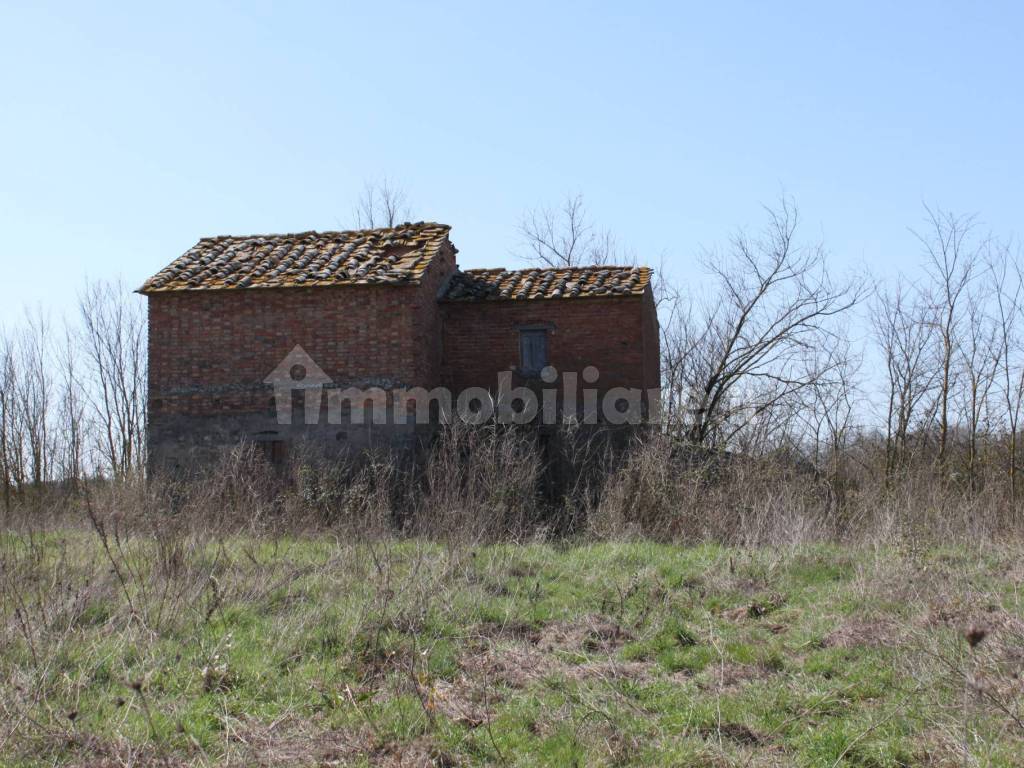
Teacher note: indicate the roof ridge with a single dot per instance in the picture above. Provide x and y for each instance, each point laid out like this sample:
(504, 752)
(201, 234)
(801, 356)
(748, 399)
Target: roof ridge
(306, 233)
(557, 269)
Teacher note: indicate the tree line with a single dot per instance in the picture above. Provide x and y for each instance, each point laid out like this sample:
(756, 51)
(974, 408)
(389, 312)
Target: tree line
(73, 394)
(782, 357)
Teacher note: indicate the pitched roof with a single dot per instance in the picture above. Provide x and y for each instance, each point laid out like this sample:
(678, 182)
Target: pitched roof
(552, 283)
(395, 255)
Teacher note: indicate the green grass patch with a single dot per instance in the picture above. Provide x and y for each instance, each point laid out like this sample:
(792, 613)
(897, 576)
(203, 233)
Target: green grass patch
(314, 649)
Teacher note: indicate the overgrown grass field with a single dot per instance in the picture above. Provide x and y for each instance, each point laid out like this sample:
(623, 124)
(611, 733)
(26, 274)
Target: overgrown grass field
(196, 650)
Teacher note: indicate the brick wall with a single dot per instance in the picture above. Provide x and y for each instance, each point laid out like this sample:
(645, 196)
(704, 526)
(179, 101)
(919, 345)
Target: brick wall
(210, 351)
(651, 341)
(426, 320)
(618, 336)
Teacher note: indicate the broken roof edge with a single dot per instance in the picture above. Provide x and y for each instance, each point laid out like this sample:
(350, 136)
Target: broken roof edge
(589, 281)
(409, 283)
(305, 259)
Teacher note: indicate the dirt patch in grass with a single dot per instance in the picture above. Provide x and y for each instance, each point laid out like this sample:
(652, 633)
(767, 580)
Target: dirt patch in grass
(289, 743)
(534, 655)
(420, 753)
(938, 748)
(515, 665)
(465, 701)
(591, 634)
(729, 677)
(963, 615)
(295, 742)
(633, 671)
(756, 609)
(514, 629)
(91, 752)
(736, 733)
(863, 633)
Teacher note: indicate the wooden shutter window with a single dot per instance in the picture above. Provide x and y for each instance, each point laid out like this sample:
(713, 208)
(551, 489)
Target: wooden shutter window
(533, 351)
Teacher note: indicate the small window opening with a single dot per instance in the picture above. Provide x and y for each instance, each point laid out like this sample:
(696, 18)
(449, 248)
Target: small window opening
(533, 351)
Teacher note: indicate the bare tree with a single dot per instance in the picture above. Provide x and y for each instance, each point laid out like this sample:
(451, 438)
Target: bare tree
(34, 396)
(978, 361)
(750, 348)
(113, 341)
(8, 454)
(951, 262)
(71, 413)
(904, 330)
(830, 405)
(1008, 290)
(680, 338)
(381, 205)
(565, 236)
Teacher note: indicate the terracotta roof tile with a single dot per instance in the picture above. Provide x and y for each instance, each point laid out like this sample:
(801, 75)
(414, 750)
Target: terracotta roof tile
(553, 283)
(397, 255)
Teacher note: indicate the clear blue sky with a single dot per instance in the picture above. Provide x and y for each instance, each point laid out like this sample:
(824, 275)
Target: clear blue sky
(128, 133)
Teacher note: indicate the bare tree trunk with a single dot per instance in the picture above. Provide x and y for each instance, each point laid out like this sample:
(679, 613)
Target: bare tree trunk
(979, 362)
(33, 396)
(6, 419)
(952, 261)
(113, 338)
(72, 417)
(1008, 288)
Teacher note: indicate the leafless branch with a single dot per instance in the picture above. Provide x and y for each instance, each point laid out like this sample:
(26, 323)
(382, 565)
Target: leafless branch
(565, 236)
(382, 205)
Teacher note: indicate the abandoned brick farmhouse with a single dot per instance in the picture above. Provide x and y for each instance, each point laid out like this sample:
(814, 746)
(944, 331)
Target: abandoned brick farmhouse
(381, 308)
